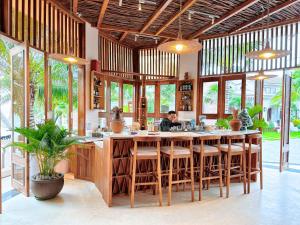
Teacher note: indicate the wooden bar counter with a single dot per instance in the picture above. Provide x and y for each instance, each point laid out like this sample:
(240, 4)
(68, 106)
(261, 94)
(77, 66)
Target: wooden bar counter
(107, 160)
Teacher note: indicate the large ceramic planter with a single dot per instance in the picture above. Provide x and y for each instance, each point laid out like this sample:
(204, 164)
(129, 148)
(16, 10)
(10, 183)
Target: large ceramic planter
(47, 189)
(117, 126)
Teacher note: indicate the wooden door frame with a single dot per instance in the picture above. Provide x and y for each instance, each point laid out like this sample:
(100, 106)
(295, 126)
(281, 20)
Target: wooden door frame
(25, 161)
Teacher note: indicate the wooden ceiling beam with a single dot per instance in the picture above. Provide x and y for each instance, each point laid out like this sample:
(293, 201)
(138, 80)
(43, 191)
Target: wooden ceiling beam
(264, 15)
(156, 14)
(130, 31)
(123, 36)
(75, 6)
(276, 24)
(102, 12)
(223, 18)
(185, 7)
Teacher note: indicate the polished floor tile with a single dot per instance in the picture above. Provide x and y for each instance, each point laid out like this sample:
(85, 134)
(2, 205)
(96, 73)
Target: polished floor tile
(80, 203)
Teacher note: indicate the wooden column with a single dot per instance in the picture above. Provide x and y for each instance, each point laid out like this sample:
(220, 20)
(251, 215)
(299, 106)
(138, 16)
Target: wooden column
(46, 84)
(137, 94)
(285, 120)
(70, 81)
(81, 100)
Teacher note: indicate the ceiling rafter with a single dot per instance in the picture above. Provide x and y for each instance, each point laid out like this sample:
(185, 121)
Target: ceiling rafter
(102, 12)
(226, 16)
(156, 14)
(123, 36)
(264, 15)
(131, 31)
(75, 6)
(185, 7)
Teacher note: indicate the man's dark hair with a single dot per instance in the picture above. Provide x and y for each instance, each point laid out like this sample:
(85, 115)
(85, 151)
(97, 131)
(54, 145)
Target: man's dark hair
(171, 112)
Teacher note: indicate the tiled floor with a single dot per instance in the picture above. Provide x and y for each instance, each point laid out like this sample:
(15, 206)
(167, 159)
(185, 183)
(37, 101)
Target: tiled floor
(80, 203)
(271, 153)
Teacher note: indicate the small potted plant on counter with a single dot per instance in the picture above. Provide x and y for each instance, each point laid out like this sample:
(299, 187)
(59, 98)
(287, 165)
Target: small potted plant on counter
(49, 143)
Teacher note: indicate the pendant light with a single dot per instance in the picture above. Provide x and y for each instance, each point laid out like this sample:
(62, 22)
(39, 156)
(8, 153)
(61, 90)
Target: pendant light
(261, 76)
(69, 58)
(267, 52)
(180, 46)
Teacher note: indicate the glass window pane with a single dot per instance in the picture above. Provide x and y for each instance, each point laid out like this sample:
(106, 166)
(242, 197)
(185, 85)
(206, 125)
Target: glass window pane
(250, 91)
(167, 97)
(127, 98)
(37, 112)
(60, 92)
(18, 174)
(128, 121)
(233, 95)
(210, 97)
(150, 120)
(150, 95)
(75, 99)
(6, 102)
(18, 96)
(114, 94)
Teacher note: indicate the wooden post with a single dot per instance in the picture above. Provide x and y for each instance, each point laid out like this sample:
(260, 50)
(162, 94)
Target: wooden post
(285, 120)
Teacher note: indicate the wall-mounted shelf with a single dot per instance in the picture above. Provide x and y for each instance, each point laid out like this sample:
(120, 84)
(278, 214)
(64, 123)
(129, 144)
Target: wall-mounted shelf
(185, 95)
(97, 91)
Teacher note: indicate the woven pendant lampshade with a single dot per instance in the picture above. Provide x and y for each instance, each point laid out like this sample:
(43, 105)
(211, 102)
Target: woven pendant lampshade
(181, 46)
(261, 76)
(70, 59)
(267, 53)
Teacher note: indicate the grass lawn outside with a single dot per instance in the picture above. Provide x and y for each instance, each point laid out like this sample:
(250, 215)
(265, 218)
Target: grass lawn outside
(274, 136)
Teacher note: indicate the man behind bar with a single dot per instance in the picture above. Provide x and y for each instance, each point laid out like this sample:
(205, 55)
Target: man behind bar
(170, 121)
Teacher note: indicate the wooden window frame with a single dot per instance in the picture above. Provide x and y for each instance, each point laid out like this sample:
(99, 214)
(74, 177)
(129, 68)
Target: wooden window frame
(221, 93)
(107, 113)
(200, 94)
(157, 115)
(224, 79)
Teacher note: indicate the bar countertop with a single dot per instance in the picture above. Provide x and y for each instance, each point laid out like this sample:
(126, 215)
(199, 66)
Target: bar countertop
(194, 134)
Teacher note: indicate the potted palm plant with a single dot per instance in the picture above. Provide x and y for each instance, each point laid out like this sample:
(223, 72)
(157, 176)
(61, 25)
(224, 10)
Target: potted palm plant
(49, 143)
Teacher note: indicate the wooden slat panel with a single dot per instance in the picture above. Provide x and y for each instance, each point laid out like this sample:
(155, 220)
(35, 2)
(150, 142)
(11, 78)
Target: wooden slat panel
(230, 50)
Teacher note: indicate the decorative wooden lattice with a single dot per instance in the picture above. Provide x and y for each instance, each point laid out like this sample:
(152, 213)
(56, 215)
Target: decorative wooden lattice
(121, 165)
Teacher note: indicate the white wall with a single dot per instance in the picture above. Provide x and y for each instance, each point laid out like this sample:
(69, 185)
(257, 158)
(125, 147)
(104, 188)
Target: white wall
(189, 63)
(91, 53)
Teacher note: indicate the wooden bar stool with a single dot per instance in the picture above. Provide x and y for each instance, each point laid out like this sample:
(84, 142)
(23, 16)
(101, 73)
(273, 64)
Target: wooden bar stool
(208, 151)
(175, 152)
(145, 153)
(254, 149)
(231, 150)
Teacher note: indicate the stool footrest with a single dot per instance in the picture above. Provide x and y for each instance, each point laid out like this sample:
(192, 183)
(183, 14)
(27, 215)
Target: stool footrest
(146, 183)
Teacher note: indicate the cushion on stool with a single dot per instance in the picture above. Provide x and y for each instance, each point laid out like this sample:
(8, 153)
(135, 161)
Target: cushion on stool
(234, 148)
(177, 150)
(207, 148)
(145, 151)
(254, 148)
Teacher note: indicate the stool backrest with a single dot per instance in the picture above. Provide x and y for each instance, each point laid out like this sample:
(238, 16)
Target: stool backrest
(210, 138)
(253, 137)
(240, 138)
(146, 139)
